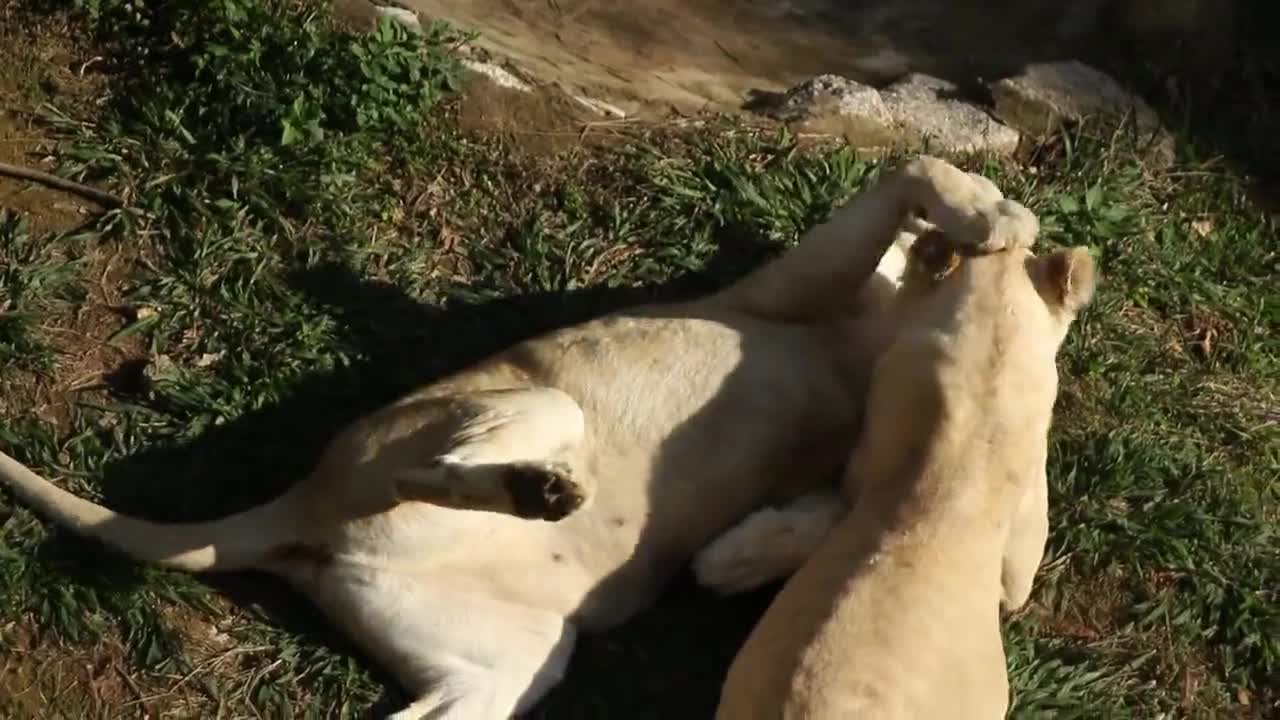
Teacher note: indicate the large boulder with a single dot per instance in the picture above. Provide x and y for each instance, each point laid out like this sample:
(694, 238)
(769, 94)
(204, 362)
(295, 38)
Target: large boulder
(1046, 95)
(932, 113)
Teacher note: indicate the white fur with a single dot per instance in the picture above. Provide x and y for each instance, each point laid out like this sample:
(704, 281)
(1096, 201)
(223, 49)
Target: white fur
(769, 544)
(895, 615)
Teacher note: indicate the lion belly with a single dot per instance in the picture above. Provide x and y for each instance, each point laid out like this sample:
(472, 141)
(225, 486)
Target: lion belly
(690, 424)
(699, 422)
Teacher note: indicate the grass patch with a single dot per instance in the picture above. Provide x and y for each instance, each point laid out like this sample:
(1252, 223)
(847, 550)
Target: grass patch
(34, 276)
(309, 236)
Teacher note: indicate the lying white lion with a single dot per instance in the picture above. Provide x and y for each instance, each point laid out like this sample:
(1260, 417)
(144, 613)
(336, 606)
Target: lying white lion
(671, 422)
(896, 614)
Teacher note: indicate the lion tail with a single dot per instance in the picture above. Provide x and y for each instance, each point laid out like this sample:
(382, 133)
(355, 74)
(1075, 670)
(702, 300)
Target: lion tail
(245, 540)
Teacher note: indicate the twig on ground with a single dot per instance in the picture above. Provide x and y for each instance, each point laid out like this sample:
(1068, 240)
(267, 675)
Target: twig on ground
(101, 197)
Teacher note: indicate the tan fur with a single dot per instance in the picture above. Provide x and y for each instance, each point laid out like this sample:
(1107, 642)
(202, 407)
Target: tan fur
(896, 615)
(642, 434)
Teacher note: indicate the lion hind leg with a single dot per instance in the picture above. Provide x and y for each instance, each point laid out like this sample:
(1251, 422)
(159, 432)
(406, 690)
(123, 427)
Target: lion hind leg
(508, 453)
(769, 544)
(509, 666)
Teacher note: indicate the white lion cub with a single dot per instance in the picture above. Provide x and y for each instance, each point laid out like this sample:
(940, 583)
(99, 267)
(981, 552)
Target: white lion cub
(896, 615)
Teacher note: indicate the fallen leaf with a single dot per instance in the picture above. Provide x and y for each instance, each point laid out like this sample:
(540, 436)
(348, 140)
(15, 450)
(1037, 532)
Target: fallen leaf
(207, 359)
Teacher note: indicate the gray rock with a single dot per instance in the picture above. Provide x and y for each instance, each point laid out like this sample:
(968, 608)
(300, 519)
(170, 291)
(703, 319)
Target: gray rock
(929, 112)
(407, 18)
(832, 105)
(824, 95)
(1046, 95)
(917, 111)
(364, 16)
(599, 107)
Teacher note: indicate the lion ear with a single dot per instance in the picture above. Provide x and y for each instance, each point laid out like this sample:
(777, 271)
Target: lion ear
(1066, 279)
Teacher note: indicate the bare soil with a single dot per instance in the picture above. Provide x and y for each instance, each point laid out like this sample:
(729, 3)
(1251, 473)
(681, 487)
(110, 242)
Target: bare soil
(695, 55)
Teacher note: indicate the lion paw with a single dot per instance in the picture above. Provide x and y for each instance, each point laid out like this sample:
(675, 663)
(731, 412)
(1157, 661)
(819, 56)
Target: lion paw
(968, 208)
(727, 567)
(768, 545)
(544, 491)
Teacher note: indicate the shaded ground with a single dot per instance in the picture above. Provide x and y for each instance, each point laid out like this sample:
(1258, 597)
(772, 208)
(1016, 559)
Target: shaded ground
(48, 74)
(40, 64)
(273, 299)
(709, 54)
(1213, 66)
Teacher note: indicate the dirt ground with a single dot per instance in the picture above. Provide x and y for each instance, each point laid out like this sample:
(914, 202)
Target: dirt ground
(38, 65)
(696, 55)
(44, 62)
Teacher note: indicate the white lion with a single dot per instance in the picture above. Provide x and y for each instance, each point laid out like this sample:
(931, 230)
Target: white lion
(641, 435)
(896, 615)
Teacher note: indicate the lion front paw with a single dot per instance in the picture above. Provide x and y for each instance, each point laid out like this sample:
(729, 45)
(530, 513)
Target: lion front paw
(967, 208)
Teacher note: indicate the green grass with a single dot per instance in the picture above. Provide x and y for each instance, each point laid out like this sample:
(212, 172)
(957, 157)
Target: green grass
(308, 236)
(35, 277)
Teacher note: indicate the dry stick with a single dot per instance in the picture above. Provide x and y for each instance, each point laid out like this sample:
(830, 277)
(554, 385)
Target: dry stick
(101, 197)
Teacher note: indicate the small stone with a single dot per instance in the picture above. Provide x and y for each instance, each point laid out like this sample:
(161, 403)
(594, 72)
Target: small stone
(498, 74)
(822, 95)
(356, 15)
(207, 359)
(930, 112)
(407, 18)
(600, 107)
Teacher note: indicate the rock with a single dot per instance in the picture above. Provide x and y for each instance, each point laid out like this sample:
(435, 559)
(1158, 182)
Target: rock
(407, 18)
(355, 15)
(496, 73)
(832, 105)
(917, 111)
(363, 16)
(824, 94)
(600, 107)
(930, 112)
(1046, 95)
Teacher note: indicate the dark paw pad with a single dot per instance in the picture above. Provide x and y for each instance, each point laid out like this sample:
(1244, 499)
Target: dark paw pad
(544, 492)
